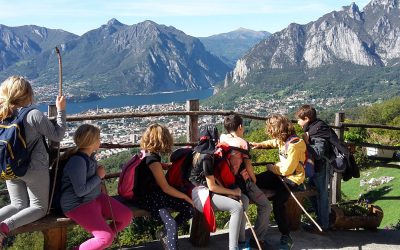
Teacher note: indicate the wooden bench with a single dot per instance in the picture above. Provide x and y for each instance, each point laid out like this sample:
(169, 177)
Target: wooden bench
(54, 227)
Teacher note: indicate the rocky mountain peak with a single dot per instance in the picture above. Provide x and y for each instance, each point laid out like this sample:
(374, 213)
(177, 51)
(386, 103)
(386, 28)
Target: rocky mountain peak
(353, 11)
(389, 4)
(114, 22)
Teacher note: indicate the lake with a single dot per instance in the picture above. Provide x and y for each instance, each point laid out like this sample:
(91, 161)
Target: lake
(134, 100)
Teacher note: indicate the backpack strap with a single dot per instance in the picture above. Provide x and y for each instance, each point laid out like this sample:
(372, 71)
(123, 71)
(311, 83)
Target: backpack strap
(291, 139)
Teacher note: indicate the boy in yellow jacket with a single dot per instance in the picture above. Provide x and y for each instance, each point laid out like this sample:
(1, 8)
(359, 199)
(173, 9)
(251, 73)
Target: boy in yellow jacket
(289, 169)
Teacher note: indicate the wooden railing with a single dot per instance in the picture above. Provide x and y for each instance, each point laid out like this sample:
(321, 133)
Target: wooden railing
(192, 125)
(192, 114)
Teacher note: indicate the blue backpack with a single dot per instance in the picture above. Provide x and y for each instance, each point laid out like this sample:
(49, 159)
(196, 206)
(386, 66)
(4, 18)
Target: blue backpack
(14, 155)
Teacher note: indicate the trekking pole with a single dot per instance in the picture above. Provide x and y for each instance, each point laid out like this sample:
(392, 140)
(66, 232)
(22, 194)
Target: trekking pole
(58, 147)
(60, 71)
(112, 214)
(251, 227)
(301, 206)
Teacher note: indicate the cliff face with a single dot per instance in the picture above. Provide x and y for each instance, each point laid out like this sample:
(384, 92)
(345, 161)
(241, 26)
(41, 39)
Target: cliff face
(370, 38)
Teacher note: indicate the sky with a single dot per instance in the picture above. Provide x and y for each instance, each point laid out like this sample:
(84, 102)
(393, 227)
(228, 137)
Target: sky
(199, 18)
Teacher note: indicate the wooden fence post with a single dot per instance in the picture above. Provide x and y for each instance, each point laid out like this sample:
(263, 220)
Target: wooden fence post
(336, 194)
(199, 235)
(192, 121)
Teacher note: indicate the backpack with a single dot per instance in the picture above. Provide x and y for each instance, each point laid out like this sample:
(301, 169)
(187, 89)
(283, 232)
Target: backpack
(178, 174)
(309, 162)
(126, 181)
(14, 154)
(341, 160)
(56, 175)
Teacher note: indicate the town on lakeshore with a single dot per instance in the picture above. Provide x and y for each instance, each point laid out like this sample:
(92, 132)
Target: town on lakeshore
(129, 130)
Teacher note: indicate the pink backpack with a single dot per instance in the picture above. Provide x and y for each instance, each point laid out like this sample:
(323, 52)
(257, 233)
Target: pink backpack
(126, 182)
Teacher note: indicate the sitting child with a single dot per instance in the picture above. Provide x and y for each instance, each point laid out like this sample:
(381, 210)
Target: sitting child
(289, 169)
(152, 191)
(233, 124)
(82, 199)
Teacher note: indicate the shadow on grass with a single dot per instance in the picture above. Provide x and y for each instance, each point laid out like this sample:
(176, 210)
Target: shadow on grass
(377, 194)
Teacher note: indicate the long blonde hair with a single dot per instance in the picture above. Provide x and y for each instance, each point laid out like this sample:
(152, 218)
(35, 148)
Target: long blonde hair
(157, 139)
(279, 127)
(85, 135)
(15, 92)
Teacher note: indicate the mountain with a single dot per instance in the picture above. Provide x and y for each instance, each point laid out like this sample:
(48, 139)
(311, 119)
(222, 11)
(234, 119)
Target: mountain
(128, 59)
(233, 45)
(17, 43)
(349, 53)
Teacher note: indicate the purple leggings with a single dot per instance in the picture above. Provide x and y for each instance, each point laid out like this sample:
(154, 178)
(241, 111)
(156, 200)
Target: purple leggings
(92, 217)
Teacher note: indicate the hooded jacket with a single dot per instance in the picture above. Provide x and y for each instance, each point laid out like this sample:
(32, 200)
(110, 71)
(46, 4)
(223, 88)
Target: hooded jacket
(291, 166)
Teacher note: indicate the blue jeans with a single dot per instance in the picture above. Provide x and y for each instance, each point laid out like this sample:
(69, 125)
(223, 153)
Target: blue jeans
(320, 181)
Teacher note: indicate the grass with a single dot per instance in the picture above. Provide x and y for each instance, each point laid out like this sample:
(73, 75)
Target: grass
(386, 196)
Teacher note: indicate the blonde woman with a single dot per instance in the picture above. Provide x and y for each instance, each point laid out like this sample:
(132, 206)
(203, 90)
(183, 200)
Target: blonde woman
(289, 168)
(29, 194)
(152, 191)
(81, 197)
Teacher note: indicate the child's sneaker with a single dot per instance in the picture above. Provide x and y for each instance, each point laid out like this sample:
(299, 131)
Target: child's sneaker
(286, 243)
(244, 245)
(263, 244)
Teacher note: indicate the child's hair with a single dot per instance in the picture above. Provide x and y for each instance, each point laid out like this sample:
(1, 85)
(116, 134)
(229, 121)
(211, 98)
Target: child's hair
(85, 135)
(279, 127)
(157, 139)
(232, 122)
(306, 111)
(15, 92)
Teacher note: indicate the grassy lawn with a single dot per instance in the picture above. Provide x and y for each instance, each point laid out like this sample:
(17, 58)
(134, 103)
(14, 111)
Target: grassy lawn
(387, 195)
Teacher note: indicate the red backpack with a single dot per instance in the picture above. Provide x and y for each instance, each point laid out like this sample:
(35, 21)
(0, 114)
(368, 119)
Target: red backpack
(126, 180)
(178, 174)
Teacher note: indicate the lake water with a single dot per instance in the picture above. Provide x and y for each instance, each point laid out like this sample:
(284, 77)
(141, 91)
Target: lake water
(134, 100)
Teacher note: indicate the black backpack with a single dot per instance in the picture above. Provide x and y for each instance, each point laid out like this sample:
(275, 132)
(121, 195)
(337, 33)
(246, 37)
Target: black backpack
(56, 175)
(206, 147)
(341, 160)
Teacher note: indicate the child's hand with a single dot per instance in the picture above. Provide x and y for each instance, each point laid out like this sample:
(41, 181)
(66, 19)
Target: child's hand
(188, 200)
(270, 167)
(245, 175)
(60, 103)
(237, 192)
(101, 171)
(255, 145)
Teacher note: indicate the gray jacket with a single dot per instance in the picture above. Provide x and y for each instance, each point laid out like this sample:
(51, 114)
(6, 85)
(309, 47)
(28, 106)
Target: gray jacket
(80, 183)
(37, 125)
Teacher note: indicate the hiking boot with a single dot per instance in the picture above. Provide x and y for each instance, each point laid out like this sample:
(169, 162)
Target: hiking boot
(286, 243)
(162, 237)
(311, 228)
(263, 244)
